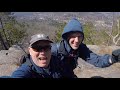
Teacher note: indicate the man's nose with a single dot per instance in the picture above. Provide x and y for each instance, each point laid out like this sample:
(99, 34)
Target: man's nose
(77, 39)
(42, 51)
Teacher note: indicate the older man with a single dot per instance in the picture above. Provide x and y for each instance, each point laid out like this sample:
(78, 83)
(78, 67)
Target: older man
(40, 63)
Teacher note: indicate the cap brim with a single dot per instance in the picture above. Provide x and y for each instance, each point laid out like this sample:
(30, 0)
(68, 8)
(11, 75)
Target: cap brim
(39, 40)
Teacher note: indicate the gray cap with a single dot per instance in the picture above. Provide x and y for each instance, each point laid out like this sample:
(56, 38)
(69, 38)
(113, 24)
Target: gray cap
(38, 37)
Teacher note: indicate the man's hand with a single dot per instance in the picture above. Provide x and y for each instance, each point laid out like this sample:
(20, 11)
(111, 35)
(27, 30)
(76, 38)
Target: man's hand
(116, 55)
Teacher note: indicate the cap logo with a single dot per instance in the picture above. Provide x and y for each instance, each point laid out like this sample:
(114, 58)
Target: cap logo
(39, 36)
(42, 36)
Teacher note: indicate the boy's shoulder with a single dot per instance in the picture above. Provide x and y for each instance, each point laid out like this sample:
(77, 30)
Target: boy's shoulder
(55, 48)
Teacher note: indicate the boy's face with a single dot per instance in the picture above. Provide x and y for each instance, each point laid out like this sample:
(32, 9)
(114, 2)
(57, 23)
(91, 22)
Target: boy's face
(75, 39)
(41, 53)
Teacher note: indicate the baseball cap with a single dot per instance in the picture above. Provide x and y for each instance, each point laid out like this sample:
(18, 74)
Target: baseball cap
(39, 37)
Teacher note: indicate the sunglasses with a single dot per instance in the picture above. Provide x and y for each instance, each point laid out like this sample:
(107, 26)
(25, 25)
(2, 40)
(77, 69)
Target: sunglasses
(39, 48)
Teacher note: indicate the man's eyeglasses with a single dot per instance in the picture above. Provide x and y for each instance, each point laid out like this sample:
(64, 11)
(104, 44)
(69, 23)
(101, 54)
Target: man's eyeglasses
(39, 48)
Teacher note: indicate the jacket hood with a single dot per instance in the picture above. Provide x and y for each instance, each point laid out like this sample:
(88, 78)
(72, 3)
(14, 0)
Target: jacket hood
(72, 26)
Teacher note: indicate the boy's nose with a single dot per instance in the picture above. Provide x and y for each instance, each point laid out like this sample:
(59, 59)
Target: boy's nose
(76, 39)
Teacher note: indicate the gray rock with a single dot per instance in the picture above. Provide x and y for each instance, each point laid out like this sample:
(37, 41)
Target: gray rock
(9, 62)
(85, 70)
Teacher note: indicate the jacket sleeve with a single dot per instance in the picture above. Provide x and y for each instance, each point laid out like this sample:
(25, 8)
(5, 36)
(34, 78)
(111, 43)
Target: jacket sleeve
(21, 72)
(92, 58)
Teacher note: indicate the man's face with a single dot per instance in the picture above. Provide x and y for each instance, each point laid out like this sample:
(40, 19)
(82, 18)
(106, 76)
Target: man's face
(75, 40)
(41, 53)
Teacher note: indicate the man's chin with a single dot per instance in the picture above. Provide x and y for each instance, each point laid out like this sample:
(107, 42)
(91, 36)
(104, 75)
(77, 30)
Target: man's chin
(75, 48)
(44, 65)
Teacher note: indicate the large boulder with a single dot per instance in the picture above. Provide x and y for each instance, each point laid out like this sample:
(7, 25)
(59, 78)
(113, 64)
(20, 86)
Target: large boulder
(10, 61)
(101, 49)
(86, 70)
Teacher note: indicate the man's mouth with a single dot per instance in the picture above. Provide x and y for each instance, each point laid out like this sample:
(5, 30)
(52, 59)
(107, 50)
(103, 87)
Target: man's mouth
(42, 58)
(75, 45)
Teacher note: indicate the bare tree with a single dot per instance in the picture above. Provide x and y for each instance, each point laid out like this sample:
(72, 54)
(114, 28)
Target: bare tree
(115, 27)
(116, 38)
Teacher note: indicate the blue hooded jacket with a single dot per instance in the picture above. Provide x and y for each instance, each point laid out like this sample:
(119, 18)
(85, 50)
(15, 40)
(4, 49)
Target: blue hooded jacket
(73, 26)
(30, 70)
(63, 51)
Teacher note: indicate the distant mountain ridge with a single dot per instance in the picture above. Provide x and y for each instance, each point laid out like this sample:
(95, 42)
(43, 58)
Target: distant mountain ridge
(65, 15)
(99, 19)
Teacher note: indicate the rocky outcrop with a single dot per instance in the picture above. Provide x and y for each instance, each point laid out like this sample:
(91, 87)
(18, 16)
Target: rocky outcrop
(10, 61)
(101, 49)
(86, 70)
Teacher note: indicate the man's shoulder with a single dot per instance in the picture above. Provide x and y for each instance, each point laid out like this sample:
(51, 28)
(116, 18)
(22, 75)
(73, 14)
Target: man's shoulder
(55, 48)
(55, 45)
(83, 46)
(22, 71)
(24, 67)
